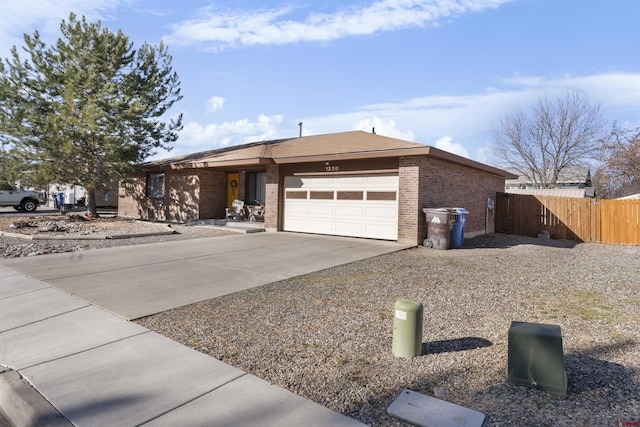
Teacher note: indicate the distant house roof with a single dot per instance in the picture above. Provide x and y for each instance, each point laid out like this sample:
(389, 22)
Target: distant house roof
(574, 175)
(329, 147)
(629, 197)
(578, 193)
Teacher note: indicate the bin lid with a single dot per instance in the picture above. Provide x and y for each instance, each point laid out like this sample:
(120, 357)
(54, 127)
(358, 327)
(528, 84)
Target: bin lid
(461, 210)
(439, 210)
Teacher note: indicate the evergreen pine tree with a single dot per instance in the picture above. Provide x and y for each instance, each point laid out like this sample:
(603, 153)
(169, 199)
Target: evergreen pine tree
(88, 109)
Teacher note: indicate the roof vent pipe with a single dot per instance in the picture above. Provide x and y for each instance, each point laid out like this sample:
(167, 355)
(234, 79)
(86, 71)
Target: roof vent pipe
(373, 130)
(300, 133)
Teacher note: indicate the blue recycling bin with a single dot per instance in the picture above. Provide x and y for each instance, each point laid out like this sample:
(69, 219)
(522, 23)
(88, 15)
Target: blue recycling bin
(60, 201)
(457, 233)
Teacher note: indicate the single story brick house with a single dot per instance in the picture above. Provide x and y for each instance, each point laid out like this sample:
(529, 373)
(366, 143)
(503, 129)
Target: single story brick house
(356, 184)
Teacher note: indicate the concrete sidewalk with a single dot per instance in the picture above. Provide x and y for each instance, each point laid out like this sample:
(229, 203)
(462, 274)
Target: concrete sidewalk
(99, 369)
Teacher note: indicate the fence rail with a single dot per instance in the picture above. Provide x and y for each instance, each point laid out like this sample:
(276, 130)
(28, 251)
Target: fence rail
(582, 220)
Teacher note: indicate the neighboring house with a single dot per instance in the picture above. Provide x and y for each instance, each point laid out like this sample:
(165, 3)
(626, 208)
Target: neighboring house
(354, 184)
(572, 182)
(571, 177)
(74, 195)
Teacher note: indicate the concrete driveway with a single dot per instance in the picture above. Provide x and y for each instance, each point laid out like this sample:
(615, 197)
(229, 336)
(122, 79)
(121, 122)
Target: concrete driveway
(137, 281)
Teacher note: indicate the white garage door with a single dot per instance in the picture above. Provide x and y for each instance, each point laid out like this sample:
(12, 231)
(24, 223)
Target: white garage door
(356, 206)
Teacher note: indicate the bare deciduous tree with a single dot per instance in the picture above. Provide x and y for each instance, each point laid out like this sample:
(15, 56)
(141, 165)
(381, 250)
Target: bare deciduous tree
(619, 172)
(551, 137)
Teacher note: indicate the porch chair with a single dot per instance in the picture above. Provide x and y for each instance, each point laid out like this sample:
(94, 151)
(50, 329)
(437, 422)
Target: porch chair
(236, 211)
(256, 213)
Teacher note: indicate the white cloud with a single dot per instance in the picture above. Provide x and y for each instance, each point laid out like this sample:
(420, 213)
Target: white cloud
(45, 16)
(484, 154)
(468, 119)
(196, 137)
(614, 87)
(386, 128)
(215, 103)
(263, 27)
(446, 143)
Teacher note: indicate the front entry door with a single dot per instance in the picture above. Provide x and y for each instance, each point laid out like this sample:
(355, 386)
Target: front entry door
(232, 188)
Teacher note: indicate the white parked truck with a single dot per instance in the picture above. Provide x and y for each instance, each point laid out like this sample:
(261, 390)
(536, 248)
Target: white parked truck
(21, 200)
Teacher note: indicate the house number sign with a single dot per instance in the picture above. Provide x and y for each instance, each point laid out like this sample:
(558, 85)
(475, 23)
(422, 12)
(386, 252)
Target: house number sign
(331, 168)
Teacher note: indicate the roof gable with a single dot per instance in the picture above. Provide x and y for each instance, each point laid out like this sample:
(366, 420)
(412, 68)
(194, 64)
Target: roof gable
(316, 145)
(336, 146)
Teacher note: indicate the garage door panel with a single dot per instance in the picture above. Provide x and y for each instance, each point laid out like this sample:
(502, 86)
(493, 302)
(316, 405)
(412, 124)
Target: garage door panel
(298, 224)
(381, 211)
(353, 181)
(380, 230)
(314, 183)
(322, 226)
(321, 209)
(383, 181)
(297, 209)
(352, 211)
(353, 228)
(357, 206)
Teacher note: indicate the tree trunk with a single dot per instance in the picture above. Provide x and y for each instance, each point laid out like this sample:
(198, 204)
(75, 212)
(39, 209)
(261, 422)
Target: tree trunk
(92, 209)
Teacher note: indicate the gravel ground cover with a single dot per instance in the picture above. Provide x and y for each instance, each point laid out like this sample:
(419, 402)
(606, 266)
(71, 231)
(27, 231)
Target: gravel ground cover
(74, 229)
(327, 336)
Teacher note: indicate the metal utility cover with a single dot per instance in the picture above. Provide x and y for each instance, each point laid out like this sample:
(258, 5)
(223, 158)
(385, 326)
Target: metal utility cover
(426, 411)
(535, 357)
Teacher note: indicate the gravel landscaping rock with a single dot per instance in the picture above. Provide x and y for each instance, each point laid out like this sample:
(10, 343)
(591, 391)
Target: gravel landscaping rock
(74, 230)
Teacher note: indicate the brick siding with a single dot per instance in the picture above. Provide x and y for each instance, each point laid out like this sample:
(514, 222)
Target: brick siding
(133, 201)
(182, 196)
(213, 194)
(189, 194)
(426, 182)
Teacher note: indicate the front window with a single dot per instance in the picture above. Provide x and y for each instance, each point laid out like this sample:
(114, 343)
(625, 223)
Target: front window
(155, 185)
(255, 187)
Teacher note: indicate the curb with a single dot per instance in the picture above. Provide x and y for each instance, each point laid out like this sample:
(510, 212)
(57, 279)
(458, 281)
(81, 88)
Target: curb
(86, 237)
(22, 405)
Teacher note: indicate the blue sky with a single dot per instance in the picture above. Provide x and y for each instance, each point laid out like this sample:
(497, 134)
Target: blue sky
(438, 72)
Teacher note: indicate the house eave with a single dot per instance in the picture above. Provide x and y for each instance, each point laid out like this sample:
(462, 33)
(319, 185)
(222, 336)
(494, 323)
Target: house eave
(400, 152)
(454, 158)
(225, 164)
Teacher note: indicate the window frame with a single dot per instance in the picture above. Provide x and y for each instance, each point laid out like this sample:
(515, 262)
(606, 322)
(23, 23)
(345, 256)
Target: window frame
(155, 186)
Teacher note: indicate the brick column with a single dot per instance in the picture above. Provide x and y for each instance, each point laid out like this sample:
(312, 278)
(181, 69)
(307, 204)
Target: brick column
(408, 201)
(272, 199)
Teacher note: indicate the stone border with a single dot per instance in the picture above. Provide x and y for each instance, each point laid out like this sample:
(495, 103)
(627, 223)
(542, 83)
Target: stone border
(167, 232)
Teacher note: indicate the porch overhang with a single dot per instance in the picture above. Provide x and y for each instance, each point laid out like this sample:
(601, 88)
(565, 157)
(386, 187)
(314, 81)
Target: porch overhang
(212, 164)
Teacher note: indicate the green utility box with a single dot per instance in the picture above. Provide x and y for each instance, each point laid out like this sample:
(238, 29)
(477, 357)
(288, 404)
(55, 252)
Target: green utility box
(536, 358)
(407, 329)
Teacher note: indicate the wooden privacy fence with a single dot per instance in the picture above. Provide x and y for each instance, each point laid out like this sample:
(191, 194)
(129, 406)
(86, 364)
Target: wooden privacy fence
(582, 220)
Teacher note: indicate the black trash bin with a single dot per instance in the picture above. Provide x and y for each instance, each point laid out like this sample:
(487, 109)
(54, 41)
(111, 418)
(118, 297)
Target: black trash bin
(439, 225)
